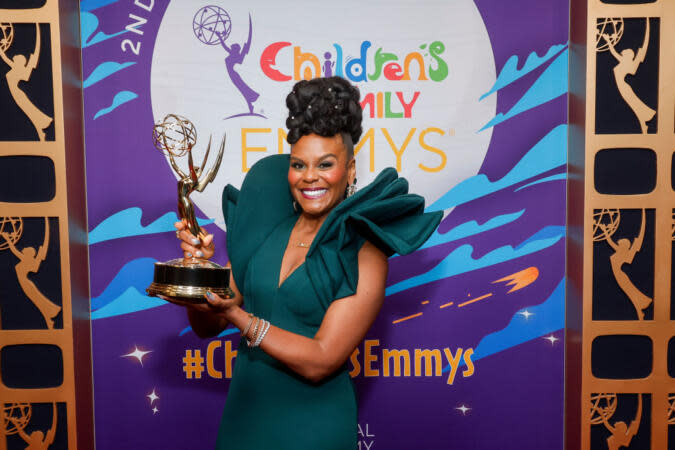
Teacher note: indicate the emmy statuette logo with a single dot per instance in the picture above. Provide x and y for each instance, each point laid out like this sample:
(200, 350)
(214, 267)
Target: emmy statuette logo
(11, 229)
(212, 26)
(609, 33)
(21, 69)
(603, 407)
(605, 224)
(15, 419)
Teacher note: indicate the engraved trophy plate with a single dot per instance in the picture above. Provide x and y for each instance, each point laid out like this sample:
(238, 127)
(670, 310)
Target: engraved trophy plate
(186, 281)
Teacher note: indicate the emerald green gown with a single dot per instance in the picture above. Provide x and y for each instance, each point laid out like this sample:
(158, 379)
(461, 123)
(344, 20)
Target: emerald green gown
(269, 406)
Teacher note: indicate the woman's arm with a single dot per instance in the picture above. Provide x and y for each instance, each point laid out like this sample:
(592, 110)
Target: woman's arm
(345, 324)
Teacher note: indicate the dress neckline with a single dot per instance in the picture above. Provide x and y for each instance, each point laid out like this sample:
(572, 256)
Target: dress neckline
(287, 239)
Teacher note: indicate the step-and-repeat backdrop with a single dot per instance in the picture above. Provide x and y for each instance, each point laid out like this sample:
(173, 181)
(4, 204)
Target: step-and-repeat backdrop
(466, 99)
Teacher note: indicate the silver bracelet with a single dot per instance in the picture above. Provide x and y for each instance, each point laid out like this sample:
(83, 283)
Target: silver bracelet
(262, 336)
(255, 328)
(243, 333)
(263, 329)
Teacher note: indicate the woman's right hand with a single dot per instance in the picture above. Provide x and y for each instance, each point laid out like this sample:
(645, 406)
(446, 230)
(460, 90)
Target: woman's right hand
(200, 247)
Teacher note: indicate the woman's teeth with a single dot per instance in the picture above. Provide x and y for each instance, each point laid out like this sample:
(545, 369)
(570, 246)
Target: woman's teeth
(313, 193)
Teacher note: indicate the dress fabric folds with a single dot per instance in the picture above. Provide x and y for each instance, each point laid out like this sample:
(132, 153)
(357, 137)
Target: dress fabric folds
(268, 406)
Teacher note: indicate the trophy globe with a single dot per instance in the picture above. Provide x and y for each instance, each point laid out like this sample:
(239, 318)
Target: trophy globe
(6, 36)
(211, 25)
(15, 417)
(603, 406)
(11, 229)
(187, 280)
(605, 223)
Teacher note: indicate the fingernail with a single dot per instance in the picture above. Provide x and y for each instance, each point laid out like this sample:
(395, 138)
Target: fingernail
(199, 254)
(209, 295)
(189, 255)
(195, 241)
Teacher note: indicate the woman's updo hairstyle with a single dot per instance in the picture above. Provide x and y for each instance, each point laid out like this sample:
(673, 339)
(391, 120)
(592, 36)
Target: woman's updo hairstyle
(326, 107)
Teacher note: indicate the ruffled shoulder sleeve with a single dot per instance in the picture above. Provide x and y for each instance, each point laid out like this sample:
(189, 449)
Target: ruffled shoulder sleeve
(252, 213)
(383, 213)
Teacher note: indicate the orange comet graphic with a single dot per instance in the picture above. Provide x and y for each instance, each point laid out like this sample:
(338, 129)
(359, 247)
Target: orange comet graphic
(520, 279)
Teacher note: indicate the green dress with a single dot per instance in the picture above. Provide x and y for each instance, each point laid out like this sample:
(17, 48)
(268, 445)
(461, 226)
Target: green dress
(269, 406)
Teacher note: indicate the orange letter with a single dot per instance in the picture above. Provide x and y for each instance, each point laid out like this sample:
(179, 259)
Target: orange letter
(369, 358)
(454, 363)
(397, 356)
(398, 152)
(355, 362)
(469, 364)
(370, 135)
(213, 373)
(229, 358)
(428, 356)
(438, 151)
(299, 58)
(245, 148)
(281, 139)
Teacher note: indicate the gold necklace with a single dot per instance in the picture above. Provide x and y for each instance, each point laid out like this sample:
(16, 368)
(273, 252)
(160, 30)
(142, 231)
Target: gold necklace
(302, 244)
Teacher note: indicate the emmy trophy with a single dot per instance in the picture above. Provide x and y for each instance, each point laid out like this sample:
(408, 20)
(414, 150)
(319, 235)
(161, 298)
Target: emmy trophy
(182, 280)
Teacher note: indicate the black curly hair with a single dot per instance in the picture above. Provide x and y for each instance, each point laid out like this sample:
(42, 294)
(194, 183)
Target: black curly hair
(326, 107)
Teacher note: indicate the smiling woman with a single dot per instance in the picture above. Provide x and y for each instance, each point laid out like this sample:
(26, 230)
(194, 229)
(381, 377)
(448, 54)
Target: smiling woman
(309, 265)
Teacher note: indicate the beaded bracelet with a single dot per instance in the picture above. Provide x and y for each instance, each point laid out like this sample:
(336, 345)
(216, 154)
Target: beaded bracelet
(255, 329)
(262, 335)
(258, 337)
(243, 333)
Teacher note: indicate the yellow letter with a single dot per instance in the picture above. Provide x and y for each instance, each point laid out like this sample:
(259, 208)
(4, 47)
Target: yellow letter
(469, 364)
(245, 148)
(370, 135)
(428, 355)
(398, 152)
(213, 373)
(229, 358)
(369, 358)
(301, 58)
(406, 64)
(281, 139)
(438, 151)
(396, 355)
(355, 362)
(454, 363)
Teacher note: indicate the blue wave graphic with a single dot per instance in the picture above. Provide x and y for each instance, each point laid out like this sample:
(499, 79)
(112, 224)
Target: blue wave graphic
(104, 70)
(547, 317)
(550, 231)
(511, 73)
(550, 85)
(461, 261)
(471, 228)
(90, 5)
(127, 223)
(558, 176)
(126, 292)
(88, 26)
(129, 302)
(550, 152)
(225, 332)
(120, 99)
(137, 273)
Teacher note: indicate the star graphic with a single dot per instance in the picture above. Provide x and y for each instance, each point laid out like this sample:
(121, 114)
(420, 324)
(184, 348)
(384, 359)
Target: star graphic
(463, 409)
(152, 396)
(155, 410)
(138, 354)
(552, 339)
(525, 313)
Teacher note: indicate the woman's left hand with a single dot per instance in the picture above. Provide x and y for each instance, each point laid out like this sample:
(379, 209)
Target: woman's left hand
(214, 304)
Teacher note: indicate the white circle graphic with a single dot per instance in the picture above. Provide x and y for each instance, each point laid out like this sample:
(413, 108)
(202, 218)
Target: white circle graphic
(427, 129)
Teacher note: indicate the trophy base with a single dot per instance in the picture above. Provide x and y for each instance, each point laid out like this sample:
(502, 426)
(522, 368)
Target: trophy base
(186, 282)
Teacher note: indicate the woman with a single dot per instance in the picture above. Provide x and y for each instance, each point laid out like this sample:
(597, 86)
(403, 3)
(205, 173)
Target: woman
(309, 263)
